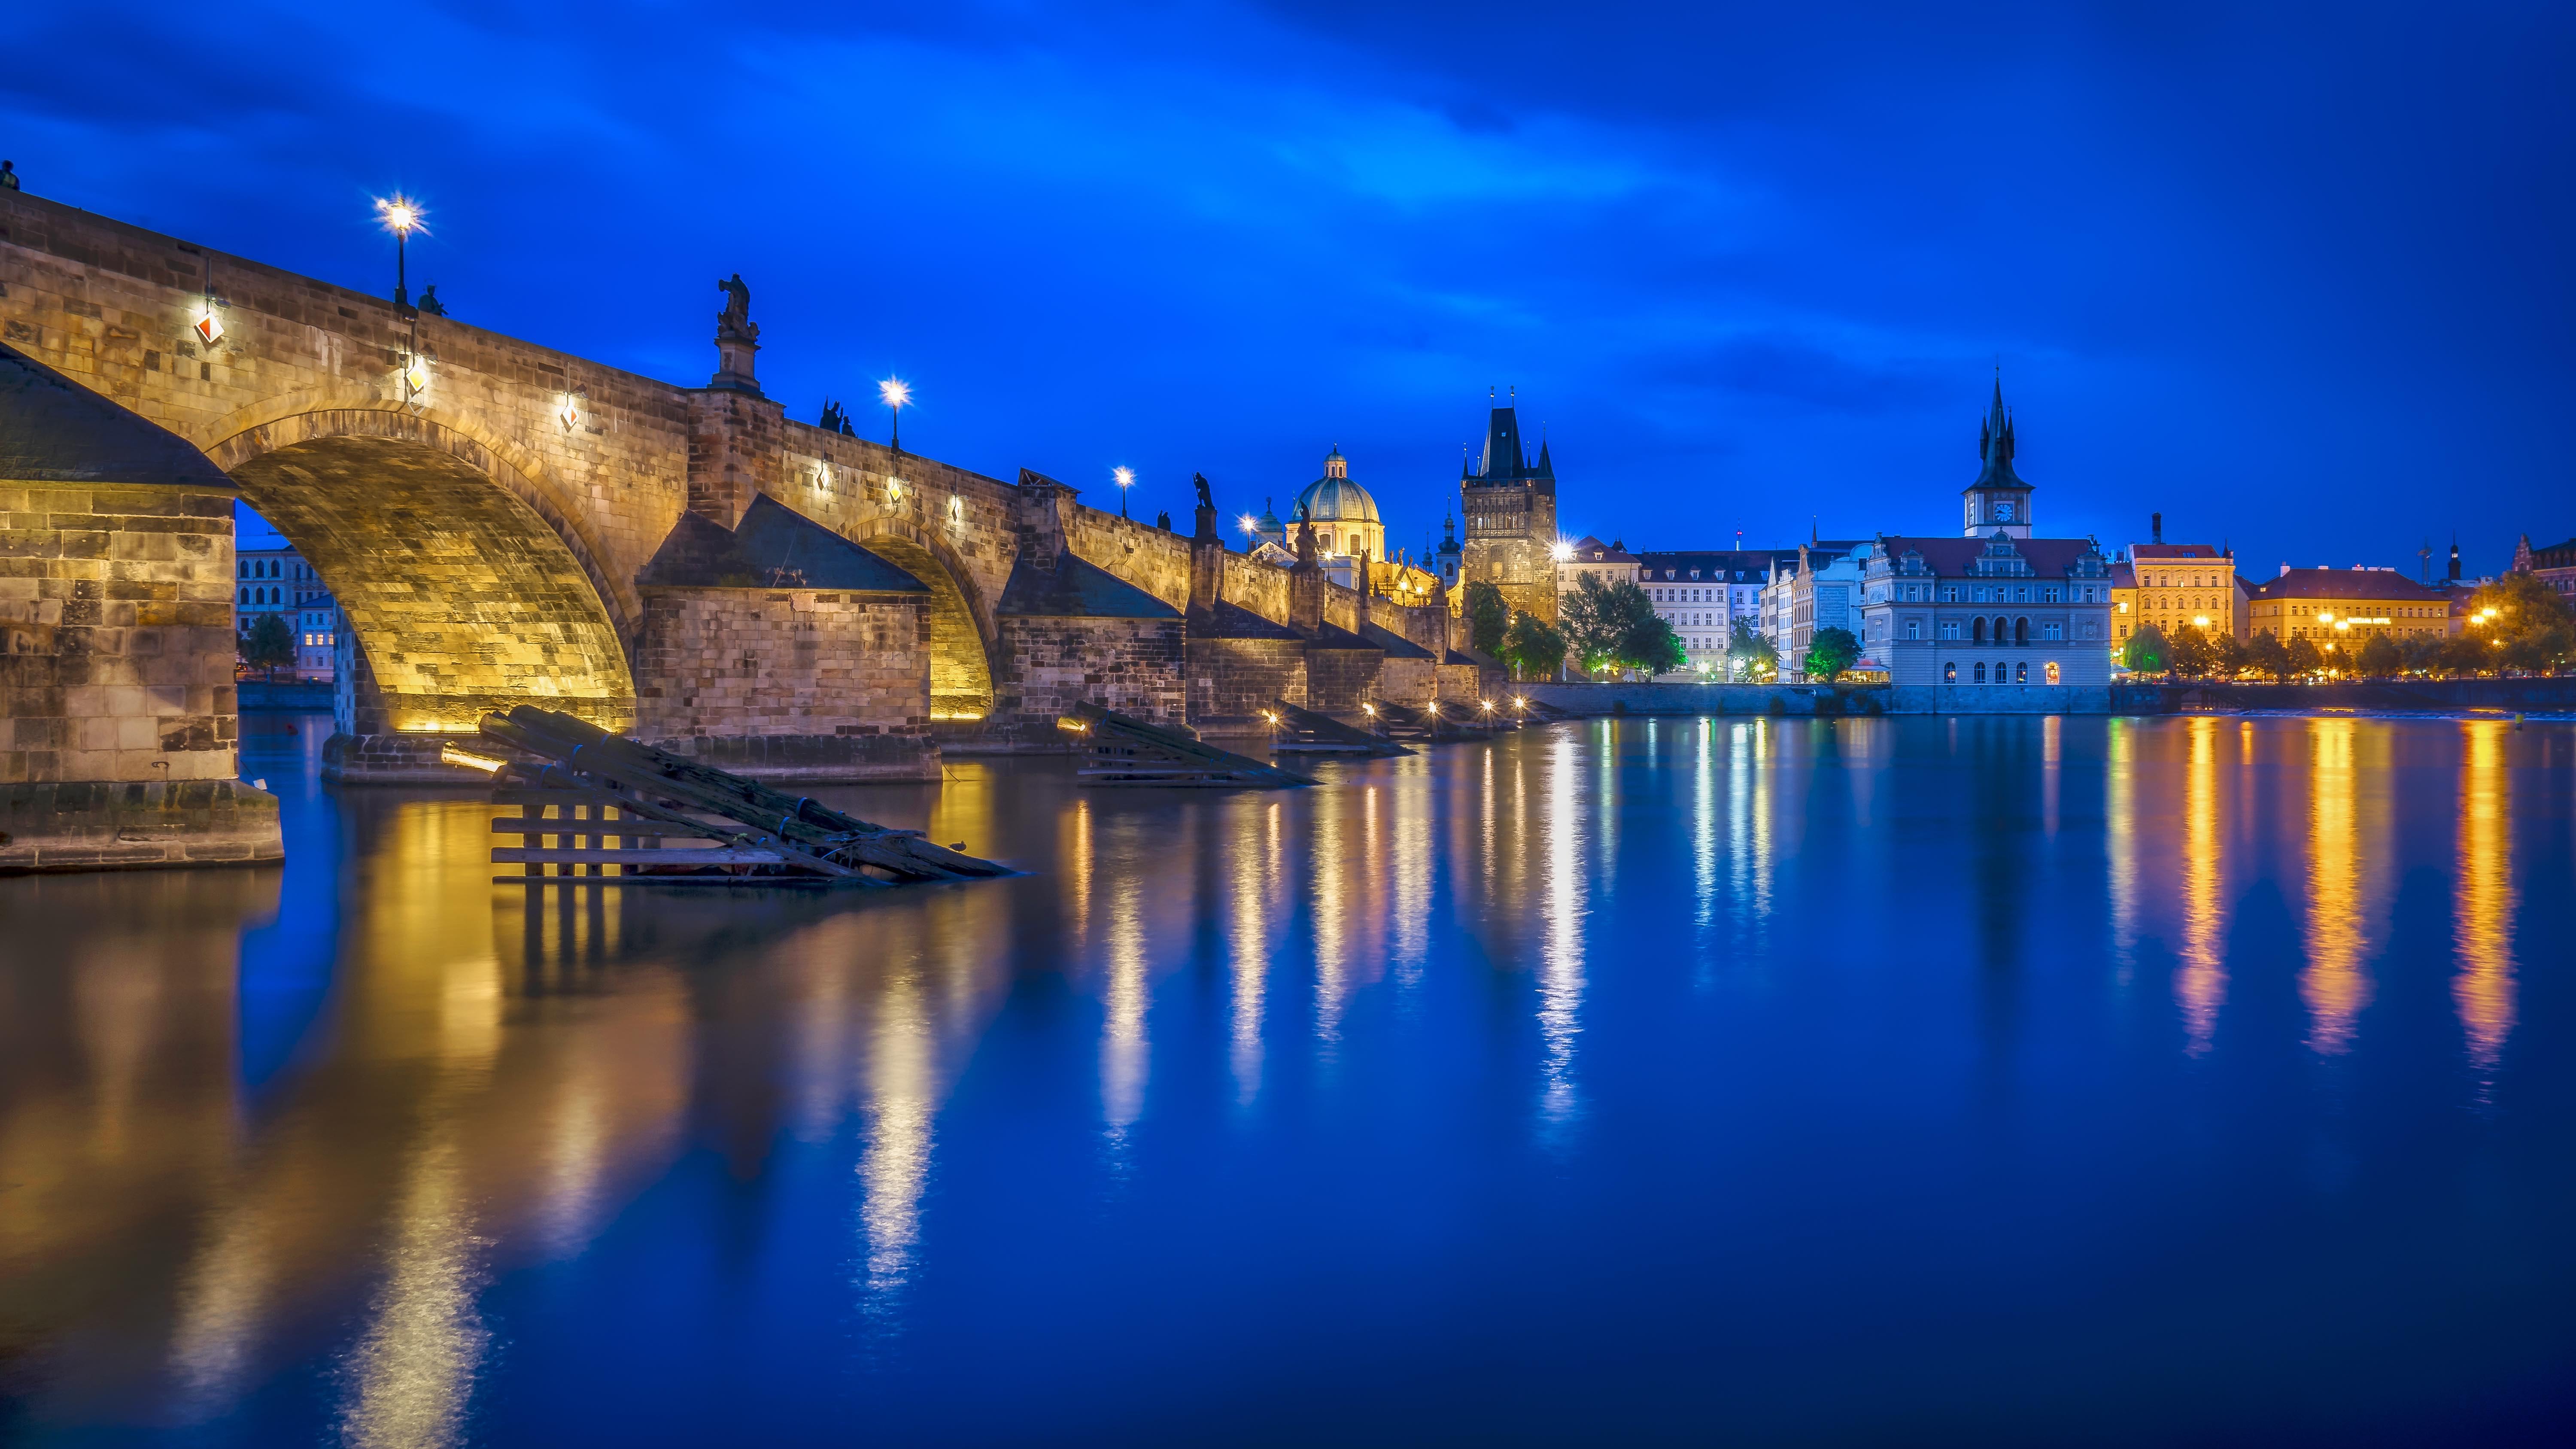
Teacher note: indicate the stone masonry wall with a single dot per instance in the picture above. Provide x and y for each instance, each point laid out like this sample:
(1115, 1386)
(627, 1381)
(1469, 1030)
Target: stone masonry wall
(116, 641)
(1132, 666)
(1339, 681)
(1236, 679)
(748, 662)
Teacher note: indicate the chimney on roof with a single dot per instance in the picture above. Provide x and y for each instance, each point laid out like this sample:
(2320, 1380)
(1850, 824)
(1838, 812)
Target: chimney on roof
(2155, 528)
(2285, 570)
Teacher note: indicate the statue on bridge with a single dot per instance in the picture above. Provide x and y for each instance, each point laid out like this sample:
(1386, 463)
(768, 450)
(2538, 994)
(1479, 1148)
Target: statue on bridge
(1305, 536)
(430, 306)
(836, 419)
(1206, 500)
(734, 323)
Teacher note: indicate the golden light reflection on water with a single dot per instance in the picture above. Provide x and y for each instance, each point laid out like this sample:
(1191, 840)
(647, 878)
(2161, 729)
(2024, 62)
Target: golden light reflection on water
(1256, 884)
(490, 1080)
(2346, 879)
(2483, 898)
(2200, 984)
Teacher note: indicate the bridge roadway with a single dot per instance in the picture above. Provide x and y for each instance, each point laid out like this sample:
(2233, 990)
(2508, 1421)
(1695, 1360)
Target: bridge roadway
(484, 509)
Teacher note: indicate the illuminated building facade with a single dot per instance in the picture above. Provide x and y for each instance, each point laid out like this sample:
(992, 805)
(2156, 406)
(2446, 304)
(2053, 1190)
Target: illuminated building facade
(2343, 608)
(1998, 606)
(2554, 565)
(1509, 503)
(1707, 592)
(2170, 585)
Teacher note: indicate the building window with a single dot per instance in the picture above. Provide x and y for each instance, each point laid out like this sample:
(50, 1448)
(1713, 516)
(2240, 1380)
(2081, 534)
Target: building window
(1981, 671)
(2021, 629)
(2052, 671)
(2022, 675)
(1950, 594)
(1949, 628)
(1949, 674)
(1980, 637)
(1913, 628)
(2053, 633)
(2048, 596)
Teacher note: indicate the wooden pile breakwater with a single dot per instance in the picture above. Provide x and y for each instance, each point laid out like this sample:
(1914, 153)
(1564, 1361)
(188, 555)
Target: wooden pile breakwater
(605, 803)
(1120, 750)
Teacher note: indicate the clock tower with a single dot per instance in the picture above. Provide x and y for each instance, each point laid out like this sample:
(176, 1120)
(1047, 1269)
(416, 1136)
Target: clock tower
(1999, 500)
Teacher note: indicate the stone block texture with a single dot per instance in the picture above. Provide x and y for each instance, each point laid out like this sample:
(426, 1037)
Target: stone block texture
(1049, 663)
(737, 663)
(111, 825)
(116, 642)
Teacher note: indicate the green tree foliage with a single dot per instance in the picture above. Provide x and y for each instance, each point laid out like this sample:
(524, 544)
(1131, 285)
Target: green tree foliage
(1752, 656)
(1615, 626)
(2146, 652)
(2266, 657)
(2303, 658)
(1829, 654)
(1651, 645)
(2229, 655)
(269, 644)
(1592, 625)
(1488, 617)
(2189, 655)
(1533, 648)
(2526, 625)
(2379, 658)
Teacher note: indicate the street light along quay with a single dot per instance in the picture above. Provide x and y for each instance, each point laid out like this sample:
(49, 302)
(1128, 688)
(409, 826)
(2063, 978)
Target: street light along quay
(1126, 479)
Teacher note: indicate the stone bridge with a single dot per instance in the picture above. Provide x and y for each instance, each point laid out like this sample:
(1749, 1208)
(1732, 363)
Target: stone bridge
(502, 522)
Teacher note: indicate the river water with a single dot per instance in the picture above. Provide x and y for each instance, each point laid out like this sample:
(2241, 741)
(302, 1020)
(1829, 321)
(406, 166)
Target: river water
(1972, 1080)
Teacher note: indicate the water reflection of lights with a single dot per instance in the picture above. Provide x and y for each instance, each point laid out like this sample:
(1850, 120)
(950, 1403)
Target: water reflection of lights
(1748, 822)
(2120, 843)
(1560, 976)
(2200, 984)
(414, 1363)
(1410, 798)
(2483, 898)
(902, 1100)
(2341, 889)
(1122, 1037)
(1704, 842)
(1256, 880)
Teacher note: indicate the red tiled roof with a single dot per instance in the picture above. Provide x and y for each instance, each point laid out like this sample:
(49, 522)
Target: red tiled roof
(2173, 550)
(2347, 584)
(1953, 557)
(2123, 576)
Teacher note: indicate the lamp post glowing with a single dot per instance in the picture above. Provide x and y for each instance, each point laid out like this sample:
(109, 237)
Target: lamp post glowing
(1126, 479)
(402, 216)
(896, 393)
(1248, 523)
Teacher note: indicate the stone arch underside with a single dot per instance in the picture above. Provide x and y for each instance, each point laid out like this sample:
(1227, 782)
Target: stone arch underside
(463, 599)
(961, 669)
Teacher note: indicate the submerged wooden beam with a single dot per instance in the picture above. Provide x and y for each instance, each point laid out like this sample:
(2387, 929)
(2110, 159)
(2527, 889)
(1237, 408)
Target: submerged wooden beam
(1120, 750)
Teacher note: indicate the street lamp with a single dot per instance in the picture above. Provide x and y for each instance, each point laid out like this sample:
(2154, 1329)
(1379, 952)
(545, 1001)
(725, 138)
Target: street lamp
(1248, 523)
(402, 216)
(1563, 552)
(1126, 478)
(896, 393)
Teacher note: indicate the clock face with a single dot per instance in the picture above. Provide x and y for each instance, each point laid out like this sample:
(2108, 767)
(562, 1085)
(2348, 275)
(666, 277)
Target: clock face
(2003, 511)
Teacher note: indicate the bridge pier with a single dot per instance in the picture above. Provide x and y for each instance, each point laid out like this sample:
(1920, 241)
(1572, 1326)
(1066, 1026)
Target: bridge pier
(116, 642)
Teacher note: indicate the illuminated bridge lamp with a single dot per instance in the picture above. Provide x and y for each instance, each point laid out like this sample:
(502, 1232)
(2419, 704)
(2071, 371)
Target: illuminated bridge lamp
(402, 216)
(894, 490)
(415, 377)
(897, 394)
(1370, 710)
(1125, 479)
(1247, 523)
(1563, 552)
(570, 413)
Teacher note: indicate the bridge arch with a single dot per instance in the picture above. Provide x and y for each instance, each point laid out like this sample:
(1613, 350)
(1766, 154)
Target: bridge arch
(961, 619)
(466, 587)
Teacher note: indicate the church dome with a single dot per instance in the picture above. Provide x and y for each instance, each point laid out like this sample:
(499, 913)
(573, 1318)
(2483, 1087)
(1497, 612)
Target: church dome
(1334, 498)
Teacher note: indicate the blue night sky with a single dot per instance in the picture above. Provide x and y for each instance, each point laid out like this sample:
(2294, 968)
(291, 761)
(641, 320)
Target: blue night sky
(2297, 277)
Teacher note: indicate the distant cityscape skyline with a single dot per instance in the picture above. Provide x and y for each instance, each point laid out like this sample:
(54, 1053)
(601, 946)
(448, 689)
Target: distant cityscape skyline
(1767, 284)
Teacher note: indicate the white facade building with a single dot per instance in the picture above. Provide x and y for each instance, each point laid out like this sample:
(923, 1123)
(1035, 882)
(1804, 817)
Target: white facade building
(279, 581)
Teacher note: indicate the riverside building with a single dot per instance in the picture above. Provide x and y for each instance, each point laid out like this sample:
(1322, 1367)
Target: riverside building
(2343, 608)
(1996, 606)
(279, 581)
(2170, 585)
